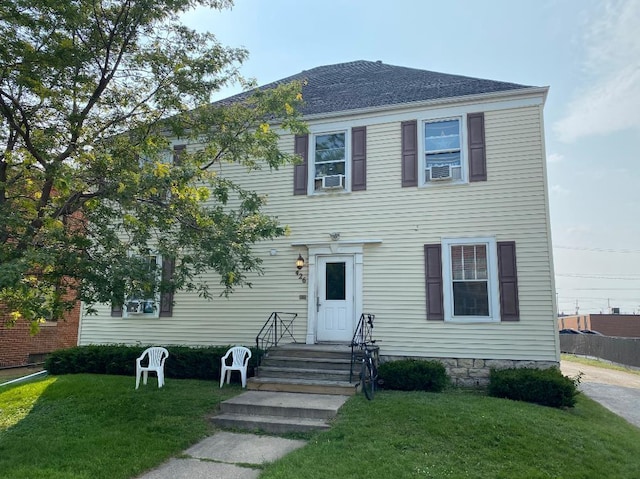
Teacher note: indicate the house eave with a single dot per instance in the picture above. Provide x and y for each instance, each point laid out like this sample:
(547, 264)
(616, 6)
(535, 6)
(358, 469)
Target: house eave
(530, 92)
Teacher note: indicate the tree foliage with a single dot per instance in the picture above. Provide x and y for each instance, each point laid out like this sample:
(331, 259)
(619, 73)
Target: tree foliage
(92, 92)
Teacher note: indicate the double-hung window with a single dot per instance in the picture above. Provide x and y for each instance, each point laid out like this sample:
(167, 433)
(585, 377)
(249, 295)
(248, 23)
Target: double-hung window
(330, 161)
(442, 150)
(144, 300)
(470, 279)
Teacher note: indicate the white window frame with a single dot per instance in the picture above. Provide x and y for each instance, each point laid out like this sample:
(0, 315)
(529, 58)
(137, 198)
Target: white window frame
(422, 160)
(493, 287)
(312, 162)
(156, 310)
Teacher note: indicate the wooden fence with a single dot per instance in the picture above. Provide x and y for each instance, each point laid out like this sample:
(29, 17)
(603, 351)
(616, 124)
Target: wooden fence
(618, 350)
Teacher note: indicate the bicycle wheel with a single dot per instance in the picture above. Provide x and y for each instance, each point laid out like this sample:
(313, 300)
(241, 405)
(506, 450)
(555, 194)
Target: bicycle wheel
(367, 380)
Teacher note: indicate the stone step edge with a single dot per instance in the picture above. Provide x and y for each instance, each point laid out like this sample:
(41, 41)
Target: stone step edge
(277, 385)
(266, 419)
(249, 409)
(310, 359)
(304, 370)
(306, 382)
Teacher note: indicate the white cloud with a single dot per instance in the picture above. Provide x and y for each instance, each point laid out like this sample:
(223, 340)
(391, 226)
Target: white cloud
(578, 230)
(610, 101)
(559, 190)
(554, 158)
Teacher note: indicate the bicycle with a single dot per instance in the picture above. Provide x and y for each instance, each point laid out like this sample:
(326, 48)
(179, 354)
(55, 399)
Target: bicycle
(363, 341)
(368, 371)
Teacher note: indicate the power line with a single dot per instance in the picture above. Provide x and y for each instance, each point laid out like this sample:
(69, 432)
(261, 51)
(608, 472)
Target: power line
(630, 277)
(598, 299)
(599, 250)
(598, 289)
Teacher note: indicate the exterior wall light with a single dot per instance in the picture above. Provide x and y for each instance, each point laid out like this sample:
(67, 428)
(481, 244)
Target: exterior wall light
(299, 266)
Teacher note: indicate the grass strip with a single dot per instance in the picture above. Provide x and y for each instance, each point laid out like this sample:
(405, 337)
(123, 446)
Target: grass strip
(465, 435)
(98, 426)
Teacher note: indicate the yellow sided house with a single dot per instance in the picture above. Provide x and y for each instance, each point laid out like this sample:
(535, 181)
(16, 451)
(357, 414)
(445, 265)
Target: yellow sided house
(421, 198)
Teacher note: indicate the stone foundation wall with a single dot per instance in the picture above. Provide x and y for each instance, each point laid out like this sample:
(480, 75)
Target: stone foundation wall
(474, 373)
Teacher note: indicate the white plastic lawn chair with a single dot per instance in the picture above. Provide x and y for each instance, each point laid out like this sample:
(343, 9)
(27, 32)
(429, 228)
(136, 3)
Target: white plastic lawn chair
(156, 358)
(240, 362)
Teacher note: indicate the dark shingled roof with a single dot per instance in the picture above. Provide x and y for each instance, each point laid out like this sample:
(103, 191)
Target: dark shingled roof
(364, 84)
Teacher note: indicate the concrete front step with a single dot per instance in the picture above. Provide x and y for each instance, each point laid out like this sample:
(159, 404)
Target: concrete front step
(306, 362)
(270, 424)
(301, 386)
(292, 373)
(303, 368)
(268, 403)
(330, 351)
(278, 412)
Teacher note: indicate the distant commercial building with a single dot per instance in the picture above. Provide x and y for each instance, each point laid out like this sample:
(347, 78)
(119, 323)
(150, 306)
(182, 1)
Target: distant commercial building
(622, 325)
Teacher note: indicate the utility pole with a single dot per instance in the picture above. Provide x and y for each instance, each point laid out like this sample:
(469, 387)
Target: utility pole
(577, 307)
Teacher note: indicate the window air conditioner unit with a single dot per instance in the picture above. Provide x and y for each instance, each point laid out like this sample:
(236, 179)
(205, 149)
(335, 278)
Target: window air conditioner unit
(135, 306)
(333, 181)
(440, 172)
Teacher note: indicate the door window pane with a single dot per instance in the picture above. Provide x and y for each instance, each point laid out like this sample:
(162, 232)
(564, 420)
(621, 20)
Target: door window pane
(336, 281)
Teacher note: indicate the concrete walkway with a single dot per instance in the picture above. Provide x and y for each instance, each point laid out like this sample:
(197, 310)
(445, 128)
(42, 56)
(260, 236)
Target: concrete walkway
(225, 455)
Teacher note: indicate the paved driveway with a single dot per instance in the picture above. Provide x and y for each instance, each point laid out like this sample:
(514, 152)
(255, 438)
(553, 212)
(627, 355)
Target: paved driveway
(618, 391)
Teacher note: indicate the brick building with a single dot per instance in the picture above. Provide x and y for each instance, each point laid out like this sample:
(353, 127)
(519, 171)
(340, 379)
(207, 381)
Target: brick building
(19, 348)
(622, 325)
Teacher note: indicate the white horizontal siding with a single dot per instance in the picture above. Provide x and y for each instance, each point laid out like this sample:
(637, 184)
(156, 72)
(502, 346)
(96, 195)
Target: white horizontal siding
(511, 205)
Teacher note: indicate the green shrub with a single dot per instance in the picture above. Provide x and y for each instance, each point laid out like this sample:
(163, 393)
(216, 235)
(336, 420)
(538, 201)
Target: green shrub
(413, 375)
(547, 387)
(183, 362)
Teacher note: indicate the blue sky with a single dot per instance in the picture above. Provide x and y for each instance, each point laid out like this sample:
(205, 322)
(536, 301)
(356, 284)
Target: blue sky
(587, 51)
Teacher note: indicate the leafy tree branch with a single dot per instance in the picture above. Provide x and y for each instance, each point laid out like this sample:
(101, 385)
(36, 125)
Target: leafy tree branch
(92, 94)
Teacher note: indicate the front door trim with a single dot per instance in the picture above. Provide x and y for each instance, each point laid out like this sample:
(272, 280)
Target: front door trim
(356, 250)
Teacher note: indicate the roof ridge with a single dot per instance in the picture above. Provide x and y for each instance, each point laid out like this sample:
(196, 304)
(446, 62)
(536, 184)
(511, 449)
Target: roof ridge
(361, 84)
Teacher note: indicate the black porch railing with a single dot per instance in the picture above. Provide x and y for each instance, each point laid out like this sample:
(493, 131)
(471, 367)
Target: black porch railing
(362, 336)
(274, 329)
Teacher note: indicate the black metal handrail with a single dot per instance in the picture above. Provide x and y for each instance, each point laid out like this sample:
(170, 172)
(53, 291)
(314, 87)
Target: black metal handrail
(362, 336)
(274, 329)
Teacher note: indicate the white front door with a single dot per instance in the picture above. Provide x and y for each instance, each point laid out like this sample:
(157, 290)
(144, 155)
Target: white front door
(334, 303)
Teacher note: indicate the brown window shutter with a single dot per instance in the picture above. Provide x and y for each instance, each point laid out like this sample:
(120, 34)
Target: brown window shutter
(433, 277)
(508, 278)
(116, 310)
(477, 150)
(359, 158)
(177, 151)
(410, 153)
(301, 148)
(166, 298)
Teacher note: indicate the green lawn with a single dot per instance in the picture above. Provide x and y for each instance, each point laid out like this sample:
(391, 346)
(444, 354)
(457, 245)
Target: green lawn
(91, 426)
(466, 435)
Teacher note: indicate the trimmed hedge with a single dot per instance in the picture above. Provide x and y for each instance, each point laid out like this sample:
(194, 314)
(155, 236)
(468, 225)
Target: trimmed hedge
(183, 362)
(413, 375)
(547, 387)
